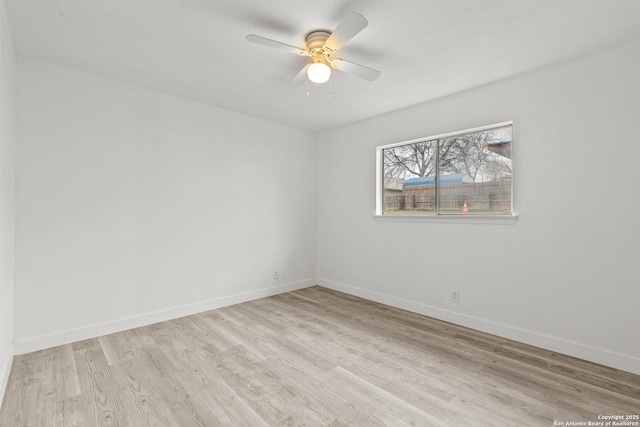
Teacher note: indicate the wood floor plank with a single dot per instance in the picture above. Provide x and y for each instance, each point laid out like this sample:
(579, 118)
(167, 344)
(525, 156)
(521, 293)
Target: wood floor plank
(99, 388)
(71, 412)
(312, 357)
(384, 406)
(185, 402)
(572, 394)
(272, 394)
(21, 394)
(60, 383)
(169, 400)
(136, 389)
(208, 384)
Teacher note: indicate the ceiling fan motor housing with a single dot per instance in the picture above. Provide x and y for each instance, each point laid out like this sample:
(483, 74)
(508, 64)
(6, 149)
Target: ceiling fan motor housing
(316, 40)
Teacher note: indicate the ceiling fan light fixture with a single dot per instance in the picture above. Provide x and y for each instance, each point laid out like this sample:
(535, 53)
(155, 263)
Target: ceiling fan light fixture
(321, 45)
(319, 72)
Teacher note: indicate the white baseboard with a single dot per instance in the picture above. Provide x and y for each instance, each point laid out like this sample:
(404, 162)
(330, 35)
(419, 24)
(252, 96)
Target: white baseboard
(6, 370)
(558, 345)
(42, 342)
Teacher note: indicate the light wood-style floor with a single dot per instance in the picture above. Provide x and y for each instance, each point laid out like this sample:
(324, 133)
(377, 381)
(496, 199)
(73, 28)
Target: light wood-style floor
(313, 357)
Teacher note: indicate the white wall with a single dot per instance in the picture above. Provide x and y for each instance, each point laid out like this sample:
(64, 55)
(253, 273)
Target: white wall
(565, 276)
(7, 193)
(135, 207)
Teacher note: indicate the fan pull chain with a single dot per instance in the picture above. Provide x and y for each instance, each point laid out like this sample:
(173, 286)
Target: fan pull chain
(308, 91)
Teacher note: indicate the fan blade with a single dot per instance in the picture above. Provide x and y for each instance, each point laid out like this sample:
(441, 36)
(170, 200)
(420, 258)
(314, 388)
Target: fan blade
(351, 25)
(272, 43)
(357, 70)
(300, 77)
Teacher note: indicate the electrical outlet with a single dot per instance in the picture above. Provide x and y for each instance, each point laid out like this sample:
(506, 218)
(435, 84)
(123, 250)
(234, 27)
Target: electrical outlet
(454, 295)
(276, 275)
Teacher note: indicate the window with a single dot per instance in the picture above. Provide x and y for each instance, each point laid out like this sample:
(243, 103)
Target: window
(461, 173)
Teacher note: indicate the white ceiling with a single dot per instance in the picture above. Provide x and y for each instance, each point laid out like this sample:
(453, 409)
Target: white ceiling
(196, 49)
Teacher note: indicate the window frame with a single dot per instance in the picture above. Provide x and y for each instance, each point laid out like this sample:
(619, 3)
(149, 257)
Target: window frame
(437, 216)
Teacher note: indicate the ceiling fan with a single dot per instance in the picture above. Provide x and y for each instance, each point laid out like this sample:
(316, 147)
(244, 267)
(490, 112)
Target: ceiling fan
(321, 46)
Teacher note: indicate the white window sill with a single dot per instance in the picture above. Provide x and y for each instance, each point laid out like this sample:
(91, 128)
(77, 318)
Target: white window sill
(451, 219)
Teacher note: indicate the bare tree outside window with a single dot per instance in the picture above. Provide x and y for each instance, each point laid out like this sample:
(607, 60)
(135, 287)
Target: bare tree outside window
(462, 173)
